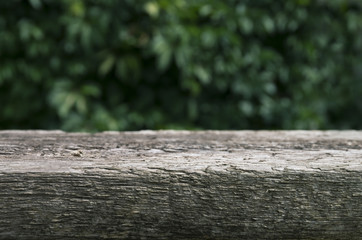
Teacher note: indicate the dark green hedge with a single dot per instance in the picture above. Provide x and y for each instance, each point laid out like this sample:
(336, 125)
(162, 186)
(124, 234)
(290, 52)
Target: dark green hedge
(207, 64)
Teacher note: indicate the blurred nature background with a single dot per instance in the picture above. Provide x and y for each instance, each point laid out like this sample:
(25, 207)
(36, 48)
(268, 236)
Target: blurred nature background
(94, 65)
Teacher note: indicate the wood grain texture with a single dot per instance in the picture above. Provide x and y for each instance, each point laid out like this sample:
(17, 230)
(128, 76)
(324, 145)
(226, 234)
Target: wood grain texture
(181, 185)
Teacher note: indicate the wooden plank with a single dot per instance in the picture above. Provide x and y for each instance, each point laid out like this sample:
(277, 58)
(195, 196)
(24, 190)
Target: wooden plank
(181, 185)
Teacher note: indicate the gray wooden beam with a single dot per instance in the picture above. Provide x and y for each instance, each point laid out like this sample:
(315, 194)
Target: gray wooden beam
(181, 185)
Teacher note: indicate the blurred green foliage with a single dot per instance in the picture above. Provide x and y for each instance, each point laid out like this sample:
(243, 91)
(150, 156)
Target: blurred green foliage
(97, 65)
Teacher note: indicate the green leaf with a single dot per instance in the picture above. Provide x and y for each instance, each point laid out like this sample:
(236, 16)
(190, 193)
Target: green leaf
(107, 65)
(163, 50)
(202, 74)
(36, 3)
(90, 90)
(152, 9)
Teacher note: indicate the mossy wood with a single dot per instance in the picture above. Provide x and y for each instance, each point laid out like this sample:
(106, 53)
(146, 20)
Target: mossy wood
(181, 185)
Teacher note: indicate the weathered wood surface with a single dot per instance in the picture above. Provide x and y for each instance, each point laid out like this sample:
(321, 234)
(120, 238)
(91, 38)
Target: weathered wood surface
(181, 185)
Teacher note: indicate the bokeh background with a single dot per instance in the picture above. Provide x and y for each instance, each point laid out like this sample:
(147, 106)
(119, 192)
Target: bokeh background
(88, 65)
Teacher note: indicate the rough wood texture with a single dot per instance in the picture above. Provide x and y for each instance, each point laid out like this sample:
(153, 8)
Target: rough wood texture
(181, 185)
